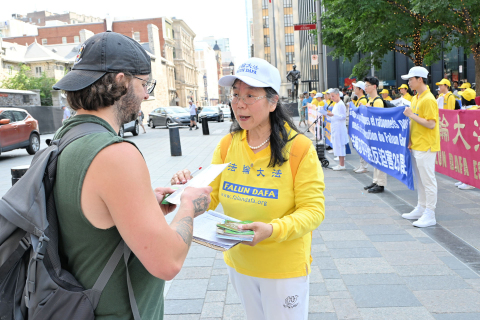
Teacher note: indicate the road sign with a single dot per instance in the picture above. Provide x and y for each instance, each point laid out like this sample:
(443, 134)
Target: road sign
(314, 59)
(299, 27)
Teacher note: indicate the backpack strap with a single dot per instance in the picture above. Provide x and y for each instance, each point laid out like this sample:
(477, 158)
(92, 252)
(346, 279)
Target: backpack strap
(79, 131)
(300, 146)
(224, 145)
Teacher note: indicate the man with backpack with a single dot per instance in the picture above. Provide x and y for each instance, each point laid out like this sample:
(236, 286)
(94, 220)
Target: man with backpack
(448, 97)
(379, 177)
(103, 201)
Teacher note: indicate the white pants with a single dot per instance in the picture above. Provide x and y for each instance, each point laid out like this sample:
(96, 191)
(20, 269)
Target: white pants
(424, 169)
(272, 299)
(379, 177)
(363, 163)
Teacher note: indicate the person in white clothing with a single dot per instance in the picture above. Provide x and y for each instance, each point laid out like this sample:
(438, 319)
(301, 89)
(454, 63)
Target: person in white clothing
(193, 115)
(339, 130)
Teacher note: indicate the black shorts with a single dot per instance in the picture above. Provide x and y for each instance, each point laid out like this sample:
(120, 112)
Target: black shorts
(193, 117)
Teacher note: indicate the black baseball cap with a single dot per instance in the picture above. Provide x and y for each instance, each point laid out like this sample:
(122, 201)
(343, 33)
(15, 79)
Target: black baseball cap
(102, 53)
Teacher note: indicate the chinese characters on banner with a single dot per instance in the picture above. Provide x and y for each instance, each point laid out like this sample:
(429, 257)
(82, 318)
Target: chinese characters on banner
(381, 137)
(459, 157)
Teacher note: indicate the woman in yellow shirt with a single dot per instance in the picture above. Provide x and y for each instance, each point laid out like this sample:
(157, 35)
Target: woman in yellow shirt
(286, 203)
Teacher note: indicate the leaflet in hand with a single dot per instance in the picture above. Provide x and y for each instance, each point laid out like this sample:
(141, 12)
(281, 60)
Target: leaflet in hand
(230, 230)
(203, 179)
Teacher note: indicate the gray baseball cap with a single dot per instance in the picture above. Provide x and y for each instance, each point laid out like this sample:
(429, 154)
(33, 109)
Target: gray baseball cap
(102, 53)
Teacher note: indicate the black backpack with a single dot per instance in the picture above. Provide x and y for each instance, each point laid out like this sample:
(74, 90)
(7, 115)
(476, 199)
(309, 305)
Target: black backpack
(386, 104)
(457, 105)
(33, 284)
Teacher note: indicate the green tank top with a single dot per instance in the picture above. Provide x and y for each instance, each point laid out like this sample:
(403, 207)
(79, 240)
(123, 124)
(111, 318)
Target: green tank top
(85, 249)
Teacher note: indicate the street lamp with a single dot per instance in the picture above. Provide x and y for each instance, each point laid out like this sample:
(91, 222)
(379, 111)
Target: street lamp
(231, 65)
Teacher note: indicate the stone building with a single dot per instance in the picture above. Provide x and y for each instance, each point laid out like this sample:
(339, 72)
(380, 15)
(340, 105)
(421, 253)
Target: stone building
(184, 59)
(206, 63)
(19, 98)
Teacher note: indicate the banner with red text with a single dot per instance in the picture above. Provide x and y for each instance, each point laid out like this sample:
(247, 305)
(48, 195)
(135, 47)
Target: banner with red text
(459, 157)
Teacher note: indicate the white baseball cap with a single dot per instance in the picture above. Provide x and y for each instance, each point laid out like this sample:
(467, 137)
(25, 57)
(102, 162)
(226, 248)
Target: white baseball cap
(341, 94)
(255, 72)
(319, 95)
(359, 84)
(330, 90)
(416, 72)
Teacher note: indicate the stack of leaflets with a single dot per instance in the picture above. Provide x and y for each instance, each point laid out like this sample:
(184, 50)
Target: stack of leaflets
(229, 230)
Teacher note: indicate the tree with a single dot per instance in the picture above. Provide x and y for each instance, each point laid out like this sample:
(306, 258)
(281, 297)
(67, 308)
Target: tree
(375, 28)
(460, 18)
(23, 81)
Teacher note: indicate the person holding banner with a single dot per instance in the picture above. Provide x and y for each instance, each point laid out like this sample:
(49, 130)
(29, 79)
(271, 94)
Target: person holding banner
(339, 130)
(424, 145)
(404, 92)
(448, 97)
(379, 177)
(359, 91)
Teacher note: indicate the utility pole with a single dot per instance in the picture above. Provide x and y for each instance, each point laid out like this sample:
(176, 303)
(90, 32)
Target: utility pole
(321, 84)
(274, 37)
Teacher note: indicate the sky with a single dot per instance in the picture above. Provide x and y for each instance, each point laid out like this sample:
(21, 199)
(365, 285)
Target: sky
(218, 18)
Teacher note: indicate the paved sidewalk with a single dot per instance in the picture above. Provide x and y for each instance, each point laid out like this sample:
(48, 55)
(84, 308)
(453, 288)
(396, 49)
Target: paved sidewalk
(368, 262)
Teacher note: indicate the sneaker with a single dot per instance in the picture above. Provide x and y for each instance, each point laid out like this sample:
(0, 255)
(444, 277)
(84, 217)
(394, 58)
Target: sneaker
(336, 158)
(415, 214)
(361, 170)
(370, 186)
(190, 129)
(355, 169)
(465, 186)
(196, 128)
(330, 151)
(459, 183)
(376, 189)
(426, 220)
(339, 168)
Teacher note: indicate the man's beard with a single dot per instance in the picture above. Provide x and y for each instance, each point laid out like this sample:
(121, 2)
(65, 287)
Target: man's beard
(126, 109)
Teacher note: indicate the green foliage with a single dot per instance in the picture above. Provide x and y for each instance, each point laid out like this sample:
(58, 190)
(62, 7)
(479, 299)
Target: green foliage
(23, 81)
(376, 27)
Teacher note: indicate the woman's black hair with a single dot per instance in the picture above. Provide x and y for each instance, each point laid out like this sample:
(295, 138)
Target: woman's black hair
(279, 135)
(465, 102)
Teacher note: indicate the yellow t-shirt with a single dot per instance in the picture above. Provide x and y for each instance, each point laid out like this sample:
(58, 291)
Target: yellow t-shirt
(362, 100)
(250, 190)
(315, 101)
(376, 103)
(449, 101)
(388, 98)
(424, 139)
(321, 103)
(407, 96)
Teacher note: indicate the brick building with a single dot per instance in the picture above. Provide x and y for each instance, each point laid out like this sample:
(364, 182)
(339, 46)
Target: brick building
(175, 49)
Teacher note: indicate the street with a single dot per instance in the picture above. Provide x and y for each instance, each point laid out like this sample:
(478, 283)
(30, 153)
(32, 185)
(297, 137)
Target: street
(368, 262)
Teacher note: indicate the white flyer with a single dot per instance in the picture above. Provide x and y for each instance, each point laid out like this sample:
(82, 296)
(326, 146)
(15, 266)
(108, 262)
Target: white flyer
(202, 179)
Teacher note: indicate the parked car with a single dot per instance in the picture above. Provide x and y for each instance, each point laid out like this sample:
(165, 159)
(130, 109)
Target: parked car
(132, 126)
(168, 116)
(226, 110)
(211, 113)
(18, 129)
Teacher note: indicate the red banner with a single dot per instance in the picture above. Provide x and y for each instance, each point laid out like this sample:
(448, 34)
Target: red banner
(459, 157)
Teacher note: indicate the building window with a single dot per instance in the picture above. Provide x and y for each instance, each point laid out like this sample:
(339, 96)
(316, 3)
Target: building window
(136, 36)
(267, 57)
(26, 99)
(265, 22)
(44, 41)
(289, 57)
(288, 19)
(174, 53)
(39, 21)
(76, 39)
(10, 69)
(64, 40)
(287, 3)
(266, 41)
(38, 71)
(289, 39)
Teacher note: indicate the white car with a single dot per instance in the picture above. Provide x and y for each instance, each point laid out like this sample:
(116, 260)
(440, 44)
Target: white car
(226, 110)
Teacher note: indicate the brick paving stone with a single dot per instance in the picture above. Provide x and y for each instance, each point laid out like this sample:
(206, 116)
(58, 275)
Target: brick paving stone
(215, 296)
(395, 313)
(183, 306)
(418, 283)
(320, 304)
(457, 316)
(374, 296)
(335, 285)
(409, 257)
(346, 235)
(212, 310)
(322, 316)
(218, 282)
(449, 301)
(346, 309)
(372, 279)
(363, 265)
(188, 289)
(234, 312)
(355, 253)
